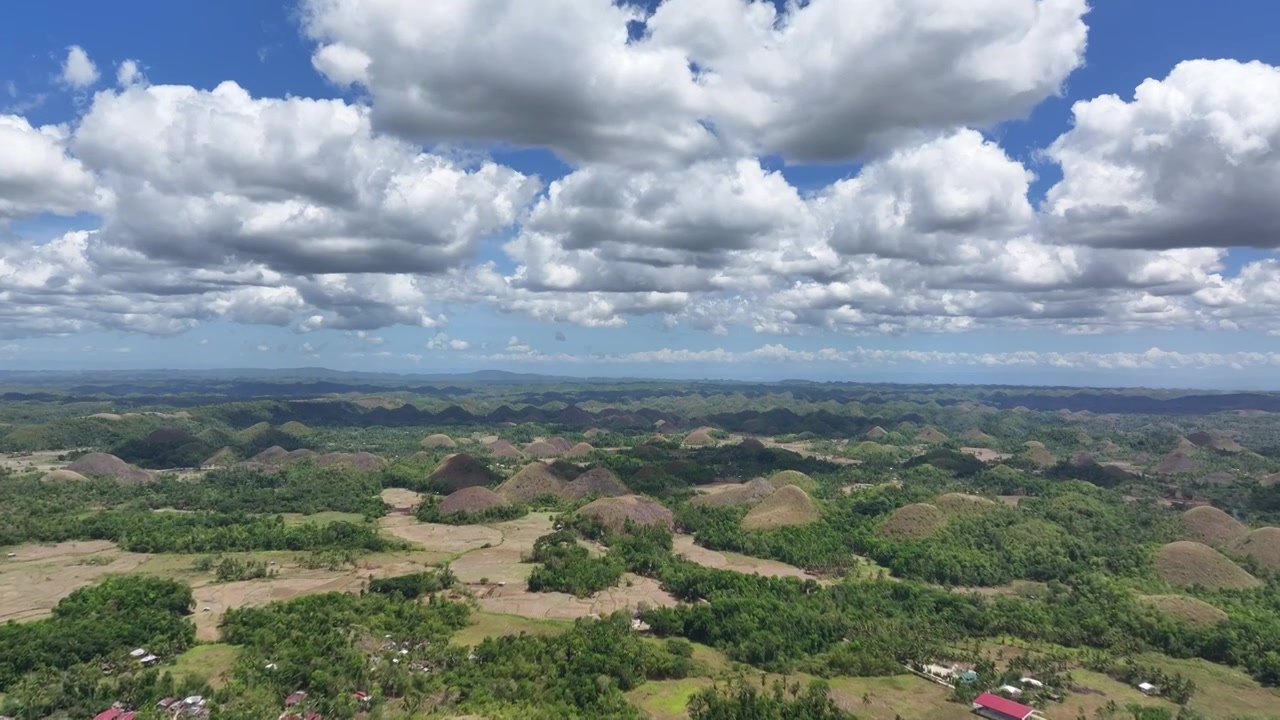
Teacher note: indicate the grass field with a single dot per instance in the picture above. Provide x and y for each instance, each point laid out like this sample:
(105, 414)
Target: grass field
(1222, 692)
(208, 663)
(666, 699)
(486, 624)
(322, 518)
(905, 696)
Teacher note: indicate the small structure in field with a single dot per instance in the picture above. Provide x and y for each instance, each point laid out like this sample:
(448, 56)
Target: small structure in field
(994, 707)
(1148, 689)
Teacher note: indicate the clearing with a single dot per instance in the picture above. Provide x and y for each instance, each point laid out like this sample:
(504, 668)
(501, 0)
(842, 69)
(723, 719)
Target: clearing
(33, 581)
(322, 518)
(486, 625)
(683, 544)
(207, 663)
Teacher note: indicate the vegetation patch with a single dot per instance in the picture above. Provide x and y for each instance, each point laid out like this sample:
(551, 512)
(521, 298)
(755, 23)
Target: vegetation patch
(787, 506)
(208, 664)
(956, 502)
(914, 522)
(1211, 526)
(1192, 611)
(1187, 564)
(62, 475)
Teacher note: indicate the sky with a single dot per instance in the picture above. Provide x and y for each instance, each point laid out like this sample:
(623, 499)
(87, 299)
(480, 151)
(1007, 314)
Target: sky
(1020, 191)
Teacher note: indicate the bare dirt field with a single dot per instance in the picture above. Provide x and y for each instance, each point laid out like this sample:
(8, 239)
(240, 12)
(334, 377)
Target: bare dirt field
(514, 599)
(452, 539)
(984, 454)
(38, 576)
(43, 461)
(683, 544)
(401, 500)
(501, 562)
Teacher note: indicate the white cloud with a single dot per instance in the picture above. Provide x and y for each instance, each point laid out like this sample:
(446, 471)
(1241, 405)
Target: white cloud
(825, 80)
(1191, 161)
(130, 73)
(298, 185)
(78, 70)
(37, 174)
(441, 341)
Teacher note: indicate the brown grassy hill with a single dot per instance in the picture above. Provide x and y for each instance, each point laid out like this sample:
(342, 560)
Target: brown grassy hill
(596, 481)
(271, 456)
(591, 433)
(1263, 545)
(503, 449)
(931, 435)
(1185, 563)
(613, 512)
(789, 505)
(534, 479)
(62, 475)
(748, 493)
(977, 437)
(461, 470)
(752, 444)
(913, 522)
(1220, 477)
(367, 462)
(105, 465)
(962, 502)
(876, 433)
(698, 438)
(560, 444)
(1211, 526)
(1193, 611)
(223, 458)
(438, 440)
(580, 450)
(1109, 448)
(1216, 440)
(793, 477)
(1038, 454)
(542, 449)
(1177, 463)
(471, 499)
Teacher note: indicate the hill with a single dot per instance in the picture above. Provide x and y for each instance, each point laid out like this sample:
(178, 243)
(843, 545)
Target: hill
(580, 450)
(784, 478)
(789, 505)
(534, 479)
(98, 464)
(1192, 611)
(614, 512)
(597, 481)
(962, 502)
(913, 522)
(503, 449)
(367, 462)
(438, 440)
(1215, 440)
(62, 475)
(1263, 545)
(748, 493)
(1037, 454)
(542, 449)
(1185, 564)
(223, 458)
(698, 438)
(876, 433)
(462, 470)
(472, 500)
(1177, 462)
(751, 444)
(1210, 526)
(931, 435)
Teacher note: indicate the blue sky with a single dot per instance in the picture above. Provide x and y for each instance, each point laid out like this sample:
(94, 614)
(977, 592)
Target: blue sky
(603, 221)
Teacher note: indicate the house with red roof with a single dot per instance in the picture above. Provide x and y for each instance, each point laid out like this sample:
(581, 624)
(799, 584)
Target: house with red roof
(109, 714)
(994, 707)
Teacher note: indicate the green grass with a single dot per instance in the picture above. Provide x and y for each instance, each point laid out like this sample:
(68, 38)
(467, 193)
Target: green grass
(485, 625)
(666, 699)
(1221, 691)
(322, 518)
(906, 696)
(208, 663)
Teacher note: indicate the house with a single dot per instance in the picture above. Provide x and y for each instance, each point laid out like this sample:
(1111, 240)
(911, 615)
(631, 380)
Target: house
(137, 653)
(295, 698)
(109, 714)
(149, 659)
(1147, 688)
(361, 696)
(994, 707)
(128, 716)
(1031, 682)
(166, 703)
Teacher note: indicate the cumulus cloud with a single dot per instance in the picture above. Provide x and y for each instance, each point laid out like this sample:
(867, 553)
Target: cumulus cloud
(441, 341)
(37, 174)
(298, 185)
(821, 80)
(1191, 161)
(130, 73)
(78, 70)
